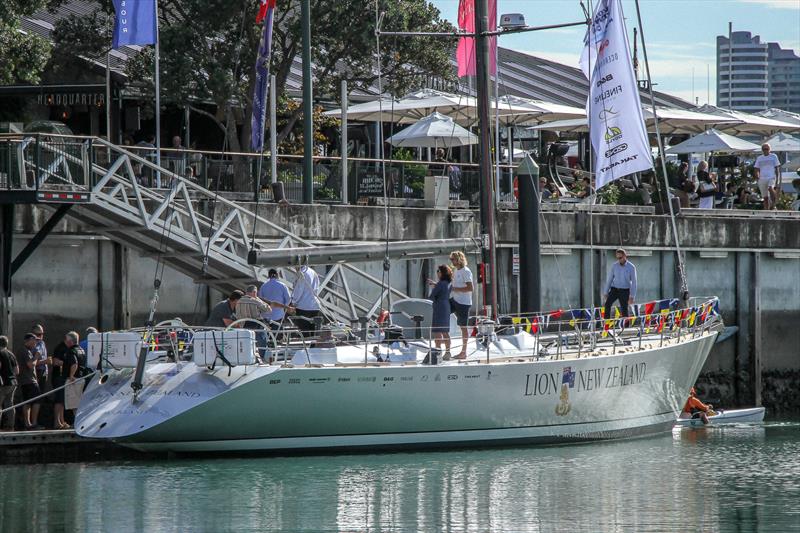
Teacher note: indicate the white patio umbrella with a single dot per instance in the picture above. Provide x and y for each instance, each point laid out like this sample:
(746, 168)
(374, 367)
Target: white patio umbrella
(435, 130)
(412, 107)
(713, 141)
(674, 120)
(516, 111)
(747, 123)
(780, 114)
(463, 109)
(670, 121)
(783, 142)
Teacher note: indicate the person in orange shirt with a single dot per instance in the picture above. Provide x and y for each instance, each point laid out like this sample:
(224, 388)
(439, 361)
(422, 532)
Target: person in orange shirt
(694, 408)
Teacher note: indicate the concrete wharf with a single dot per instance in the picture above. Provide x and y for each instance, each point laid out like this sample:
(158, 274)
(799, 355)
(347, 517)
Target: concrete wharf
(57, 446)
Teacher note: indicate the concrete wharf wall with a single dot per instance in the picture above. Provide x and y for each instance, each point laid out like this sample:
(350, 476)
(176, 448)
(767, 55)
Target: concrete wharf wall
(750, 260)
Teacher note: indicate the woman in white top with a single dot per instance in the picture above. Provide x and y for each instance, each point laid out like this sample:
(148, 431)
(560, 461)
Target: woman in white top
(461, 293)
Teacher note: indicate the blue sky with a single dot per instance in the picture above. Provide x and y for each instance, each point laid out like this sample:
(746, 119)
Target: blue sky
(681, 34)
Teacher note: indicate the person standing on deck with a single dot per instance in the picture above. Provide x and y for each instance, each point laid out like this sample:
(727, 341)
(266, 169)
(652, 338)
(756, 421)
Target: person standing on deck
(440, 320)
(275, 293)
(461, 294)
(620, 284)
(304, 299)
(252, 307)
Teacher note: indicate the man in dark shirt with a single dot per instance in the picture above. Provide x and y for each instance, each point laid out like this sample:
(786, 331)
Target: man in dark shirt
(224, 313)
(27, 381)
(65, 368)
(8, 383)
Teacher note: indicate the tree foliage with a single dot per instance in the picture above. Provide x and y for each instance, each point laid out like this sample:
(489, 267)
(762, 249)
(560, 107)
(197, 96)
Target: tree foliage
(208, 50)
(23, 56)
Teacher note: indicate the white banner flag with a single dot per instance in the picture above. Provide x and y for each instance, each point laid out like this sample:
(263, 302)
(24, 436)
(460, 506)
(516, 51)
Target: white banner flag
(616, 125)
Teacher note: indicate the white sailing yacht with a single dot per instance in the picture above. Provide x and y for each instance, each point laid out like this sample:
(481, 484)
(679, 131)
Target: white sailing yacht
(566, 376)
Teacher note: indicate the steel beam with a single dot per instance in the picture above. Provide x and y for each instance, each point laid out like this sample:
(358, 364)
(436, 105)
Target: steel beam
(40, 236)
(288, 257)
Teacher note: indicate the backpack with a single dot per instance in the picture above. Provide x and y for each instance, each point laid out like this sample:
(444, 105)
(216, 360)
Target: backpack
(7, 364)
(80, 355)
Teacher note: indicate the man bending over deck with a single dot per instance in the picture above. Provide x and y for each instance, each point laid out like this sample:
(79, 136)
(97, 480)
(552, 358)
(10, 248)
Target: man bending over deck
(224, 313)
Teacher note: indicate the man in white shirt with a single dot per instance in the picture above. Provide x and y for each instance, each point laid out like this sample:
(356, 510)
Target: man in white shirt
(304, 299)
(767, 168)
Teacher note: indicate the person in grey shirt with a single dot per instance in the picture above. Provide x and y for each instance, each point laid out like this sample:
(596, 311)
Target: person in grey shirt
(620, 284)
(224, 313)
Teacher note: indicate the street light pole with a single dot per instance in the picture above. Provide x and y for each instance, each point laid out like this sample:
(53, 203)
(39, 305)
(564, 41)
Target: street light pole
(308, 105)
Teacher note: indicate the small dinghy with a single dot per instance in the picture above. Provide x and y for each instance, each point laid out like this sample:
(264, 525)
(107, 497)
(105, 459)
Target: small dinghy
(734, 416)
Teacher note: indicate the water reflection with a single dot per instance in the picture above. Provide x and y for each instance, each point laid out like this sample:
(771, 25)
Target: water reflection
(709, 480)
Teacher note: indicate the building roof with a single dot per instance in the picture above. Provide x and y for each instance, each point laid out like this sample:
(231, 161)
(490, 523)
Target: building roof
(521, 74)
(530, 76)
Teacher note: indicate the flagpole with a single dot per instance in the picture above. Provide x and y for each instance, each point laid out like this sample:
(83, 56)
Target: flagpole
(273, 129)
(108, 96)
(158, 104)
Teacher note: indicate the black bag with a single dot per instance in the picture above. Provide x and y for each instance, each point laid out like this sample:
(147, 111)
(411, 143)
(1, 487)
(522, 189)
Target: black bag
(7, 376)
(454, 173)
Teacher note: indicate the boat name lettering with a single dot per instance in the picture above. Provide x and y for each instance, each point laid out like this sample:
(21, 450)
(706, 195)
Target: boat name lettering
(452, 377)
(294, 381)
(318, 380)
(368, 379)
(187, 394)
(343, 380)
(406, 378)
(274, 381)
(589, 379)
(388, 378)
(541, 384)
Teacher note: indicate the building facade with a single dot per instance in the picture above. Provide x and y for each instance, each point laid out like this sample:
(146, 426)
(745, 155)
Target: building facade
(753, 76)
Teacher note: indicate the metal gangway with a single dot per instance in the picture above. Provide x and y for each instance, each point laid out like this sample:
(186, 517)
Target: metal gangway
(97, 183)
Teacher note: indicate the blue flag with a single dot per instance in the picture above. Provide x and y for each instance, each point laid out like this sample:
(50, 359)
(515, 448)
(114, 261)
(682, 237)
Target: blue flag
(134, 22)
(262, 84)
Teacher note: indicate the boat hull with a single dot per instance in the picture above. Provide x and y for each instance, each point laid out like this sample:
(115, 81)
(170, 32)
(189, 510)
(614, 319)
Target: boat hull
(753, 415)
(377, 407)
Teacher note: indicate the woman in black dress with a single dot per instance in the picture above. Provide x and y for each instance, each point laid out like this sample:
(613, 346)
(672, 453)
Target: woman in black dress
(440, 296)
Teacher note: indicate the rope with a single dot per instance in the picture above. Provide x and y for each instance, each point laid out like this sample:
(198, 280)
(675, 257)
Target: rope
(51, 391)
(204, 269)
(385, 273)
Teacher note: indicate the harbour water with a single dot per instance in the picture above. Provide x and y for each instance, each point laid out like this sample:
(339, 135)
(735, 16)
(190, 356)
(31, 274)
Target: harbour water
(732, 479)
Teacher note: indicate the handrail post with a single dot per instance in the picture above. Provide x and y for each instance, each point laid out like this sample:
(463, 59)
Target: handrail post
(38, 161)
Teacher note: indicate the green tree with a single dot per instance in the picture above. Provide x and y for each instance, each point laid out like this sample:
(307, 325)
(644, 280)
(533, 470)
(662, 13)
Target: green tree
(208, 50)
(23, 55)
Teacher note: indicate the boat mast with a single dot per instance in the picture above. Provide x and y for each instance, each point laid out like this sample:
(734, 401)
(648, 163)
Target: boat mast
(487, 205)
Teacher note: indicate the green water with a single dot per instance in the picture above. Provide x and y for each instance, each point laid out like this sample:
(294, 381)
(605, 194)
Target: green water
(737, 479)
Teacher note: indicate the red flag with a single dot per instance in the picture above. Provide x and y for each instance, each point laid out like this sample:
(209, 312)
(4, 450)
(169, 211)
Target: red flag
(263, 6)
(649, 307)
(465, 53)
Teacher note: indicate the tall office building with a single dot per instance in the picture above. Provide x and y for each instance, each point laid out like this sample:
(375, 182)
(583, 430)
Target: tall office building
(764, 75)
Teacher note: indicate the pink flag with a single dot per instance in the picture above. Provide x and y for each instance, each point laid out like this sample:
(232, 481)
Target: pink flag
(465, 53)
